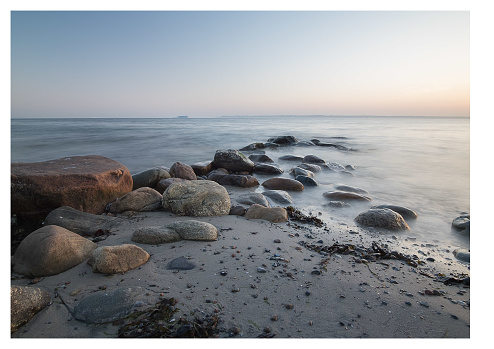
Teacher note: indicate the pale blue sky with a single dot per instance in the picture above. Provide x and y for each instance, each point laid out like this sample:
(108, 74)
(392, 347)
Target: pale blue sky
(204, 64)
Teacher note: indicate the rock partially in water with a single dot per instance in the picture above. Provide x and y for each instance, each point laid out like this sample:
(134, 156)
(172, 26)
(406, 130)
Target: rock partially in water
(283, 140)
(260, 158)
(280, 183)
(382, 218)
(343, 187)
(298, 171)
(180, 263)
(232, 160)
(306, 181)
(237, 180)
(403, 211)
(311, 167)
(337, 204)
(462, 254)
(267, 169)
(291, 158)
(280, 196)
(462, 222)
(344, 196)
(253, 198)
(253, 146)
(313, 159)
(25, 302)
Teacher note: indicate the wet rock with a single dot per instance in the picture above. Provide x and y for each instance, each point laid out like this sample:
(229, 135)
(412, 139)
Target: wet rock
(291, 158)
(232, 160)
(331, 145)
(462, 223)
(462, 254)
(108, 306)
(403, 211)
(333, 166)
(272, 214)
(155, 235)
(25, 302)
(267, 169)
(50, 250)
(180, 263)
(237, 210)
(86, 183)
(305, 144)
(280, 183)
(280, 196)
(195, 230)
(313, 159)
(197, 198)
(181, 170)
(306, 181)
(141, 200)
(343, 187)
(149, 177)
(311, 167)
(253, 146)
(117, 259)
(260, 158)
(350, 167)
(344, 196)
(337, 204)
(237, 180)
(382, 218)
(283, 140)
(202, 168)
(79, 222)
(298, 171)
(253, 198)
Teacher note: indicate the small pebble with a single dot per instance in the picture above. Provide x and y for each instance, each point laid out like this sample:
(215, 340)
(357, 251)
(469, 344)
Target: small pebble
(277, 241)
(267, 329)
(261, 270)
(315, 272)
(274, 318)
(289, 306)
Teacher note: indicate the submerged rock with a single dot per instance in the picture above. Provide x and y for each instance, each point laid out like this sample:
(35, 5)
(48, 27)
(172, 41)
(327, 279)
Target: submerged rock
(344, 195)
(382, 218)
(253, 198)
(343, 187)
(291, 158)
(280, 183)
(280, 196)
(403, 211)
(25, 302)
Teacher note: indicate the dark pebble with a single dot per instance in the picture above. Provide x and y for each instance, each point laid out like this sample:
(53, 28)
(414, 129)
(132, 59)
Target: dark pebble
(315, 272)
(454, 317)
(180, 263)
(223, 273)
(307, 293)
(408, 303)
(289, 306)
(277, 241)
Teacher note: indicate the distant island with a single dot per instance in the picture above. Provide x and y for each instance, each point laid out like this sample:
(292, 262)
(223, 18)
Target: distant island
(182, 116)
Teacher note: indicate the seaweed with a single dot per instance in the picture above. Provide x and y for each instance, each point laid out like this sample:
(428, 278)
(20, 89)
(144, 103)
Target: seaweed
(297, 215)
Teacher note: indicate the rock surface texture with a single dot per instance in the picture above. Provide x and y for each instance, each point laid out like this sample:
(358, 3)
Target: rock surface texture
(25, 302)
(232, 160)
(382, 218)
(272, 214)
(141, 200)
(117, 259)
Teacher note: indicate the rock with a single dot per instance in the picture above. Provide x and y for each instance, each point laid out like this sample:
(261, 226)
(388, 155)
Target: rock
(195, 230)
(310, 167)
(78, 222)
(232, 160)
(462, 254)
(337, 204)
(108, 306)
(382, 218)
(140, 200)
(271, 145)
(181, 170)
(403, 211)
(86, 183)
(197, 198)
(202, 168)
(155, 235)
(279, 196)
(305, 144)
(343, 187)
(298, 171)
(165, 183)
(272, 214)
(306, 181)
(283, 140)
(291, 158)
(117, 259)
(345, 195)
(180, 263)
(280, 183)
(260, 158)
(350, 167)
(244, 181)
(237, 211)
(313, 159)
(50, 250)
(333, 166)
(462, 222)
(254, 146)
(149, 177)
(267, 169)
(253, 198)
(332, 145)
(25, 302)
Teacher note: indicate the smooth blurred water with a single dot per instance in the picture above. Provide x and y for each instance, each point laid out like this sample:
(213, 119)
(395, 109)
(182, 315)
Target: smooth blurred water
(419, 162)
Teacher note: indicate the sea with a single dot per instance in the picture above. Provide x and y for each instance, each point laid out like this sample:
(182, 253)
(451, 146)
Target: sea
(422, 163)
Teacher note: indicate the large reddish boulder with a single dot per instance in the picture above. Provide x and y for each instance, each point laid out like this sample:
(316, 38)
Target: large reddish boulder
(86, 183)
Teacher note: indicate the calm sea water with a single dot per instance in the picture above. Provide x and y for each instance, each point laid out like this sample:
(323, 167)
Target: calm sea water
(419, 162)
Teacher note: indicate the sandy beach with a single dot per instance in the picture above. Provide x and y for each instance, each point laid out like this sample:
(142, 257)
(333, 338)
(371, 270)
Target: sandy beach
(260, 281)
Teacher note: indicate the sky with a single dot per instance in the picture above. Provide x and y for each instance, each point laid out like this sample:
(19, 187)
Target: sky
(215, 63)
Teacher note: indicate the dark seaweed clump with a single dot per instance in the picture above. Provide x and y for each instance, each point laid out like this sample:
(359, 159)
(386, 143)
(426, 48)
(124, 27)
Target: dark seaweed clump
(296, 215)
(156, 322)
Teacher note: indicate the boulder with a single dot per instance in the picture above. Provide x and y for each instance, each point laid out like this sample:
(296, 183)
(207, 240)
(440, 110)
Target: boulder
(403, 211)
(195, 230)
(244, 181)
(382, 218)
(181, 170)
(283, 140)
(202, 168)
(306, 181)
(197, 198)
(86, 183)
(462, 222)
(232, 160)
(272, 214)
(253, 198)
(108, 306)
(280, 183)
(78, 222)
(50, 250)
(117, 259)
(149, 177)
(155, 235)
(345, 195)
(237, 210)
(462, 254)
(267, 169)
(165, 183)
(333, 166)
(313, 159)
(260, 158)
(343, 187)
(291, 158)
(279, 196)
(141, 200)
(25, 302)
(298, 171)
(311, 167)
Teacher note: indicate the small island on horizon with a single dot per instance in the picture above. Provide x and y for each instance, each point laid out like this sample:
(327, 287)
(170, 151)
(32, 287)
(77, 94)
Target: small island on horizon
(182, 116)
